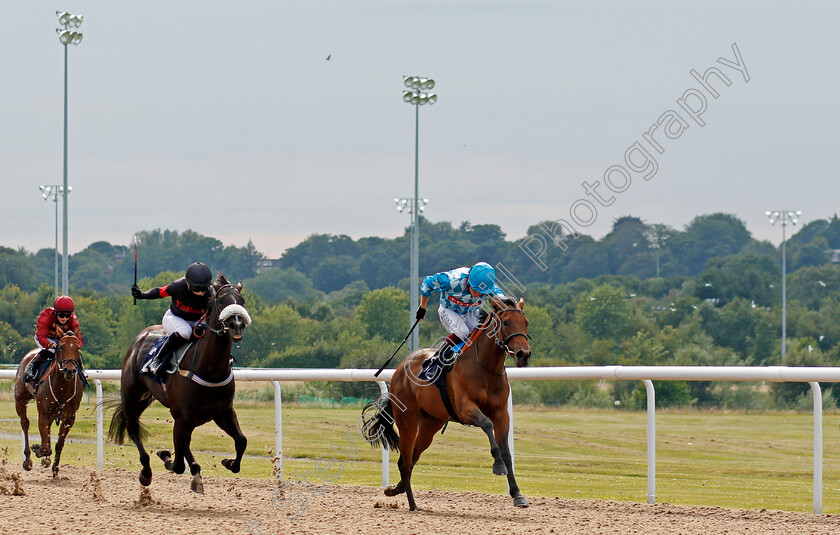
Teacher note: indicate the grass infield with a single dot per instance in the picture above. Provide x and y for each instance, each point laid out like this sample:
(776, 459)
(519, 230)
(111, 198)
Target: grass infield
(736, 460)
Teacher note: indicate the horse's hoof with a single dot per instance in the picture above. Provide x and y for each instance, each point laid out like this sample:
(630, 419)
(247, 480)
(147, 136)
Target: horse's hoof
(520, 501)
(231, 465)
(27, 464)
(392, 491)
(145, 479)
(164, 455)
(499, 469)
(197, 485)
(45, 462)
(36, 449)
(55, 471)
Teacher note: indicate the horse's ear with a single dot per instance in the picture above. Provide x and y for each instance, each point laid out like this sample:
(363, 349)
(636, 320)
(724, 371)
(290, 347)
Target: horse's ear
(521, 304)
(239, 286)
(220, 280)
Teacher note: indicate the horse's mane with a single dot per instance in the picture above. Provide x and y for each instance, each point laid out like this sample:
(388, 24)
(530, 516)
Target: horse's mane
(507, 301)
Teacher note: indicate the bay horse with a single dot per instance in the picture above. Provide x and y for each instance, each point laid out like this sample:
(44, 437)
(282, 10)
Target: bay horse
(58, 397)
(200, 391)
(478, 390)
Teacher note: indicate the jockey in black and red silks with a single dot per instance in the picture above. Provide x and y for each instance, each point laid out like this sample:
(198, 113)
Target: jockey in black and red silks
(190, 296)
(52, 324)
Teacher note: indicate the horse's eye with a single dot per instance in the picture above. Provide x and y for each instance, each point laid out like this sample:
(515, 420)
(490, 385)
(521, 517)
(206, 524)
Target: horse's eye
(504, 323)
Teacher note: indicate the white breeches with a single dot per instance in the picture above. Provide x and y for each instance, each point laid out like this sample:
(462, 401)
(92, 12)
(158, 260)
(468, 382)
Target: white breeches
(459, 325)
(174, 324)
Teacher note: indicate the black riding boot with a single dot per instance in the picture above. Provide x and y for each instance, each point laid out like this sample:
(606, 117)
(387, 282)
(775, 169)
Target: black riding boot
(34, 364)
(172, 344)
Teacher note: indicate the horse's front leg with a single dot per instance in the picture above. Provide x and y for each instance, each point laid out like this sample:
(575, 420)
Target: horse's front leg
(43, 450)
(20, 407)
(63, 430)
(502, 430)
(229, 423)
(182, 436)
(474, 416)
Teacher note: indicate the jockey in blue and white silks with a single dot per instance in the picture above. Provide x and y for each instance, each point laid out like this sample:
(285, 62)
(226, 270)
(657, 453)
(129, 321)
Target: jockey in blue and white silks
(461, 293)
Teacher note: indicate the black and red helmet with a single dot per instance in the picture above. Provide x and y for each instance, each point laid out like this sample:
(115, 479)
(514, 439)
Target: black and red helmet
(64, 304)
(199, 276)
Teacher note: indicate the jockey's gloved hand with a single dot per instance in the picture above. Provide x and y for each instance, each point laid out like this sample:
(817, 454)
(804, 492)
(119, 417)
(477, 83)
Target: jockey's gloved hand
(136, 292)
(421, 313)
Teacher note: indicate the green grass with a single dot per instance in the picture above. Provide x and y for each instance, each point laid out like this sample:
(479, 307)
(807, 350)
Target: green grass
(703, 458)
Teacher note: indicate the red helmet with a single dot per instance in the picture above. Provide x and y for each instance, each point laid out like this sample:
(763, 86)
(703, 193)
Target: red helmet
(64, 304)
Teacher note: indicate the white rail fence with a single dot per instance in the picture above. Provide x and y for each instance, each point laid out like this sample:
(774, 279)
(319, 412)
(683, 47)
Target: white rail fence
(813, 376)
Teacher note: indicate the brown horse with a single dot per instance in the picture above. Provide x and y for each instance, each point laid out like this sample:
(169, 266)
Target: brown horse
(477, 387)
(59, 394)
(202, 390)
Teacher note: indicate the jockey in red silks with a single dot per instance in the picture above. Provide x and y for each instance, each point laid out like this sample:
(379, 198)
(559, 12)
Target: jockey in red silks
(461, 293)
(52, 323)
(190, 296)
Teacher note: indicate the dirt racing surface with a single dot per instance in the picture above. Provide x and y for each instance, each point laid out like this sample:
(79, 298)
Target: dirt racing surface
(85, 501)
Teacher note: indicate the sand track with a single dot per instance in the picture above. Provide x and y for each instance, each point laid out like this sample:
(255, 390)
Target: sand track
(85, 501)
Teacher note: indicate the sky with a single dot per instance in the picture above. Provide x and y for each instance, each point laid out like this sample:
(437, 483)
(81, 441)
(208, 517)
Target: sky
(228, 119)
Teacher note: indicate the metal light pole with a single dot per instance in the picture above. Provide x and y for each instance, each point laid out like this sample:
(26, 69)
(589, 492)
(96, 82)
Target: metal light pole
(66, 37)
(417, 96)
(54, 191)
(784, 216)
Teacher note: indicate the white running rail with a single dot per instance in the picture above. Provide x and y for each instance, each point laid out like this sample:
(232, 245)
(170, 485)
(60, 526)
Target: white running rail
(811, 375)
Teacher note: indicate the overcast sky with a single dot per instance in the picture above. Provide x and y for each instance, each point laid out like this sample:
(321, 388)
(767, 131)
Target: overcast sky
(227, 118)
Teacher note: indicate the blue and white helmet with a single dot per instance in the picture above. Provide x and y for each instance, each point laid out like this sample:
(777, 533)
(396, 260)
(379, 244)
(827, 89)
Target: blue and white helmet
(482, 278)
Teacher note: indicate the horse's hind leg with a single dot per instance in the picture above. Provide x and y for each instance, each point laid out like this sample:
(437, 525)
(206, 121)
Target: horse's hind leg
(63, 430)
(407, 424)
(133, 405)
(428, 427)
(20, 407)
(229, 423)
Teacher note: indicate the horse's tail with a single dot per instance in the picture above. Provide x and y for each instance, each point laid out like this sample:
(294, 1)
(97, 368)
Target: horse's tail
(119, 420)
(378, 424)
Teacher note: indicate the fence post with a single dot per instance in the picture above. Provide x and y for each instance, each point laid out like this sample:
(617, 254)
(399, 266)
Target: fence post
(651, 440)
(386, 458)
(100, 440)
(815, 389)
(278, 431)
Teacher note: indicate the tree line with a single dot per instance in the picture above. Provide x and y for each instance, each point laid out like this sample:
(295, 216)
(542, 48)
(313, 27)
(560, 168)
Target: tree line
(338, 302)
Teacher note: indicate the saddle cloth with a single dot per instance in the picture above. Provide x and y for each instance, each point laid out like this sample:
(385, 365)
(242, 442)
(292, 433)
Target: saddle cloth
(433, 369)
(173, 363)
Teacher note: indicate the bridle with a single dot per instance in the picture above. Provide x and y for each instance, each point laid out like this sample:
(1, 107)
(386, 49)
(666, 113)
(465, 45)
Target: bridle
(216, 311)
(500, 342)
(504, 343)
(61, 367)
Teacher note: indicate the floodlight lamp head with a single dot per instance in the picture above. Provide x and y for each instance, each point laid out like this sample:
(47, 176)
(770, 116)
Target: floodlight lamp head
(427, 84)
(63, 17)
(76, 20)
(432, 98)
(408, 81)
(407, 96)
(77, 38)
